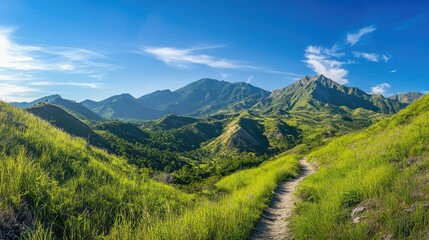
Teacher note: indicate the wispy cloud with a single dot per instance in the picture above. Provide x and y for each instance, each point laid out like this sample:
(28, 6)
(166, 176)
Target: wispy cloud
(353, 38)
(393, 71)
(26, 63)
(186, 57)
(326, 61)
(373, 57)
(249, 79)
(380, 88)
(14, 76)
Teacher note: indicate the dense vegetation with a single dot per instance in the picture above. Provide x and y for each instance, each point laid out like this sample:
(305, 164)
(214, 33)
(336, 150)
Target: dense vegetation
(372, 184)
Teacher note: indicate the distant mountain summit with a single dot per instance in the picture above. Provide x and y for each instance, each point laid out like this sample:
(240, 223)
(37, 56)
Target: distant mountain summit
(205, 96)
(406, 97)
(320, 91)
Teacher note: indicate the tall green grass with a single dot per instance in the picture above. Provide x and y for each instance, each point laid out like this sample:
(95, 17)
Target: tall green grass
(384, 168)
(238, 204)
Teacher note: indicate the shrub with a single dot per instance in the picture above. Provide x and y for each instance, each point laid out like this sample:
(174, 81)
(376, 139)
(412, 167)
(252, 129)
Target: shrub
(351, 198)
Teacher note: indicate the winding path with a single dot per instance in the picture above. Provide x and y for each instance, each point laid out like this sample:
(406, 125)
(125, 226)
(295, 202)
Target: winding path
(274, 224)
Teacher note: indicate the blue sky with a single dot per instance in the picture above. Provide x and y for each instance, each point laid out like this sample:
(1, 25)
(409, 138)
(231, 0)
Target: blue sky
(95, 49)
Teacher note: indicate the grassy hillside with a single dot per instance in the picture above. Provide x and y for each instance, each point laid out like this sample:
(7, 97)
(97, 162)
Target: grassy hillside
(57, 186)
(372, 184)
(252, 133)
(69, 123)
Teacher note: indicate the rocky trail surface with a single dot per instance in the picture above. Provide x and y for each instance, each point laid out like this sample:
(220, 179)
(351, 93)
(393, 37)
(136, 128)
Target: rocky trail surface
(274, 222)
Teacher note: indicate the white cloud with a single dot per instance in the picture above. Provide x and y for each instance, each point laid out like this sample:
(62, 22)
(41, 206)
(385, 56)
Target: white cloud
(325, 61)
(394, 70)
(186, 57)
(380, 88)
(353, 38)
(249, 79)
(373, 57)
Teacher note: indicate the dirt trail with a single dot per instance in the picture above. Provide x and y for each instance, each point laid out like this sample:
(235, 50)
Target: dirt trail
(273, 223)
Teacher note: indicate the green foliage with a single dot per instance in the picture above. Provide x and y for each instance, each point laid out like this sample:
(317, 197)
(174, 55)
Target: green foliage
(350, 198)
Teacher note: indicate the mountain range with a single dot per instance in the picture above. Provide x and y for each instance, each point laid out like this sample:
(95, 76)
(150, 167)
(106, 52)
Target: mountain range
(210, 96)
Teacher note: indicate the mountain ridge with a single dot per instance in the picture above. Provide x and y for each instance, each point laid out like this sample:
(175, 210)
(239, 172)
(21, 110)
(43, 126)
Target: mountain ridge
(210, 96)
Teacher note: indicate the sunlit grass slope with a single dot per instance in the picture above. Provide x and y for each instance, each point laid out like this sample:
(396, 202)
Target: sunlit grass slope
(53, 185)
(230, 213)
(382, 173)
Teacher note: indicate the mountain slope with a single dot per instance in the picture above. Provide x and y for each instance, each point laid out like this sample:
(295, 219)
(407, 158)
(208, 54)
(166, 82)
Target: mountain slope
(406, 97)
(68, 123)
(252, 133)
(372, 184)
(158, 100)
